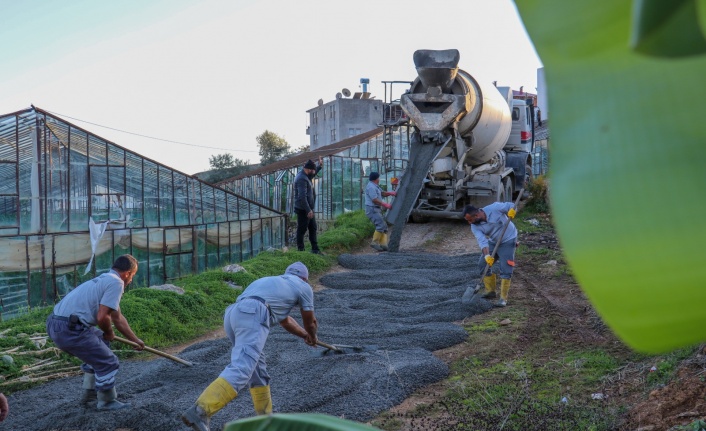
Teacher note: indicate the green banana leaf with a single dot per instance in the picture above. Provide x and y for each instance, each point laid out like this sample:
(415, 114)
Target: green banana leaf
(627, 113)
(296, 422)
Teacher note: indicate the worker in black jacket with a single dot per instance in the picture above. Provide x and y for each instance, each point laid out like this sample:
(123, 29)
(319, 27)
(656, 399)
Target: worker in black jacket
(304, 200)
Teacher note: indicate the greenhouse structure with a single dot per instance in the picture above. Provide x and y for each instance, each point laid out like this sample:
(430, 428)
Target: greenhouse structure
(71, 202)
(340, 184)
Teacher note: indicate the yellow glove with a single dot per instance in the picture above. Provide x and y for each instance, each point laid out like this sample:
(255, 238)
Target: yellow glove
(489, 260)
(511, 213)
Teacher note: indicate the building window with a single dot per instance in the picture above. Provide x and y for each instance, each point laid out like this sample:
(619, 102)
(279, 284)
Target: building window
(333, 135)
(316, 139)
(332, 112)
(314, 117)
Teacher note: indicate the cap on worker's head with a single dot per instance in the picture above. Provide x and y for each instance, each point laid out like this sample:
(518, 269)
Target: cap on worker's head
(374, 176)
(298, 269)
(309, 164)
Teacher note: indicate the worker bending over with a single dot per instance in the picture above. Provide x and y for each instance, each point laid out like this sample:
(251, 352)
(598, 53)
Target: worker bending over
(72, 327)
(247, 324)
(373, 209)
(487, 225)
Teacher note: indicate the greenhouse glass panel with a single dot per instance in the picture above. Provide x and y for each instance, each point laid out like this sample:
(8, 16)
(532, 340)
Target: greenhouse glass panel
(220, 201)
(232, 207)
(78, 181)
(357, 171)
(97, 151)
(8, 211)
(181, 199)
(235, 246)
(151, 194)
(133, 189)
(347, 185)
(363, 150)
(195, 201)
(57, 192)
(209, 205)
(166, 197)
(8, 138)
(116, 183)
(246, 244)
(212, 245)
(116, 155)
(172, 264)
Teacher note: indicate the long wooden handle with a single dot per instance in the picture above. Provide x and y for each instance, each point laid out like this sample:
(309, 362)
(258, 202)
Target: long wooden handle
(328, 346)
(497, 244)
(155, 351)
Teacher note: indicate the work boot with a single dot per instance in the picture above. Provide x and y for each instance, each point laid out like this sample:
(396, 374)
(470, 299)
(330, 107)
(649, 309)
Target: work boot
(89, 389)
(212, 399)
(196, 418)
(489, 283)
(261, 399)
(107, 401)
(383, 241)
(504, 290)
(376, 241)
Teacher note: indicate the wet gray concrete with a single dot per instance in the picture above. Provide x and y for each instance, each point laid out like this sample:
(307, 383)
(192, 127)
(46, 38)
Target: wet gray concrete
(403, 303)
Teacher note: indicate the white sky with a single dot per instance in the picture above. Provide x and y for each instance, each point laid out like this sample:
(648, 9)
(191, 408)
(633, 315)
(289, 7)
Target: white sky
(217, 73)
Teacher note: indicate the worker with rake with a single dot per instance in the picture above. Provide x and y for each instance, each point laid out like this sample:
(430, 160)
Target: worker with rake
(72, 327)
(264, 302)
(488, 224)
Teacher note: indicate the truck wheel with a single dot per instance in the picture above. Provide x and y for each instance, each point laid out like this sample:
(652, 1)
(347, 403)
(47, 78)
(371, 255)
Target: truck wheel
(417, 218)
(509, 189)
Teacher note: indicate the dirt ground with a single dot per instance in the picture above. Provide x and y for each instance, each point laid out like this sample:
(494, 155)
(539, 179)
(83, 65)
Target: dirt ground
(551, 298)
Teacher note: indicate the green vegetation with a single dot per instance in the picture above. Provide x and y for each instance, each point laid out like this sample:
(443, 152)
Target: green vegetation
(165, 318)
(538, 201)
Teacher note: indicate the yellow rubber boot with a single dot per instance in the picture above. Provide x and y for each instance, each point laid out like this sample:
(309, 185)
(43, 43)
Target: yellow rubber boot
(489, 282)
(261, 399)
(377, 236)
(383, 240)
(212, 399)
(504, 290)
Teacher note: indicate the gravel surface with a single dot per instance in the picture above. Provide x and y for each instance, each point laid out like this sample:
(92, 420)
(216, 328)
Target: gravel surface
(400, 306)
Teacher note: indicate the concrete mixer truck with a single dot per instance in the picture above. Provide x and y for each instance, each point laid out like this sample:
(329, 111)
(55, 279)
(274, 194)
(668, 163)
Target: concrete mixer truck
(471, 143)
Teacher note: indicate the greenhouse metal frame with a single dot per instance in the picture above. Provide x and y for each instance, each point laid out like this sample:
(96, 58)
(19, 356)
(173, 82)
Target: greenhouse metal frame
(71, 202)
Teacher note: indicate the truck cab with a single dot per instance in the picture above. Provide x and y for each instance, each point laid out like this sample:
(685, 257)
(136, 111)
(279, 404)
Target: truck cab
(521, 132)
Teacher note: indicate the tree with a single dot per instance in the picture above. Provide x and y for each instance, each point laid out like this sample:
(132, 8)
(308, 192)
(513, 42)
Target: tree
(302, 149)
(272, 147)
(222, 161)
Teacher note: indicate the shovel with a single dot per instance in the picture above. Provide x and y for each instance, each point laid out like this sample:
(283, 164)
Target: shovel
(155, 351)
(341, 349)
(470, 294)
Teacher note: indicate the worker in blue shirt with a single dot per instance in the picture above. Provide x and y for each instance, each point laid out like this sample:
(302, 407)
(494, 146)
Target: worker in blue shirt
(487, 225)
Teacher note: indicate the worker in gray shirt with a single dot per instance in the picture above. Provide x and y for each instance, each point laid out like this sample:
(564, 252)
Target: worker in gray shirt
(487, 225)
(264, 302)
(72, 327)
(373, 209)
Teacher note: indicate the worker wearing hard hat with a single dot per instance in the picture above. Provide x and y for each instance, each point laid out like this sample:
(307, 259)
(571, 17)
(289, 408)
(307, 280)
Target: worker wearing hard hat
(373, 209)
(487, 225)
(264, 302)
